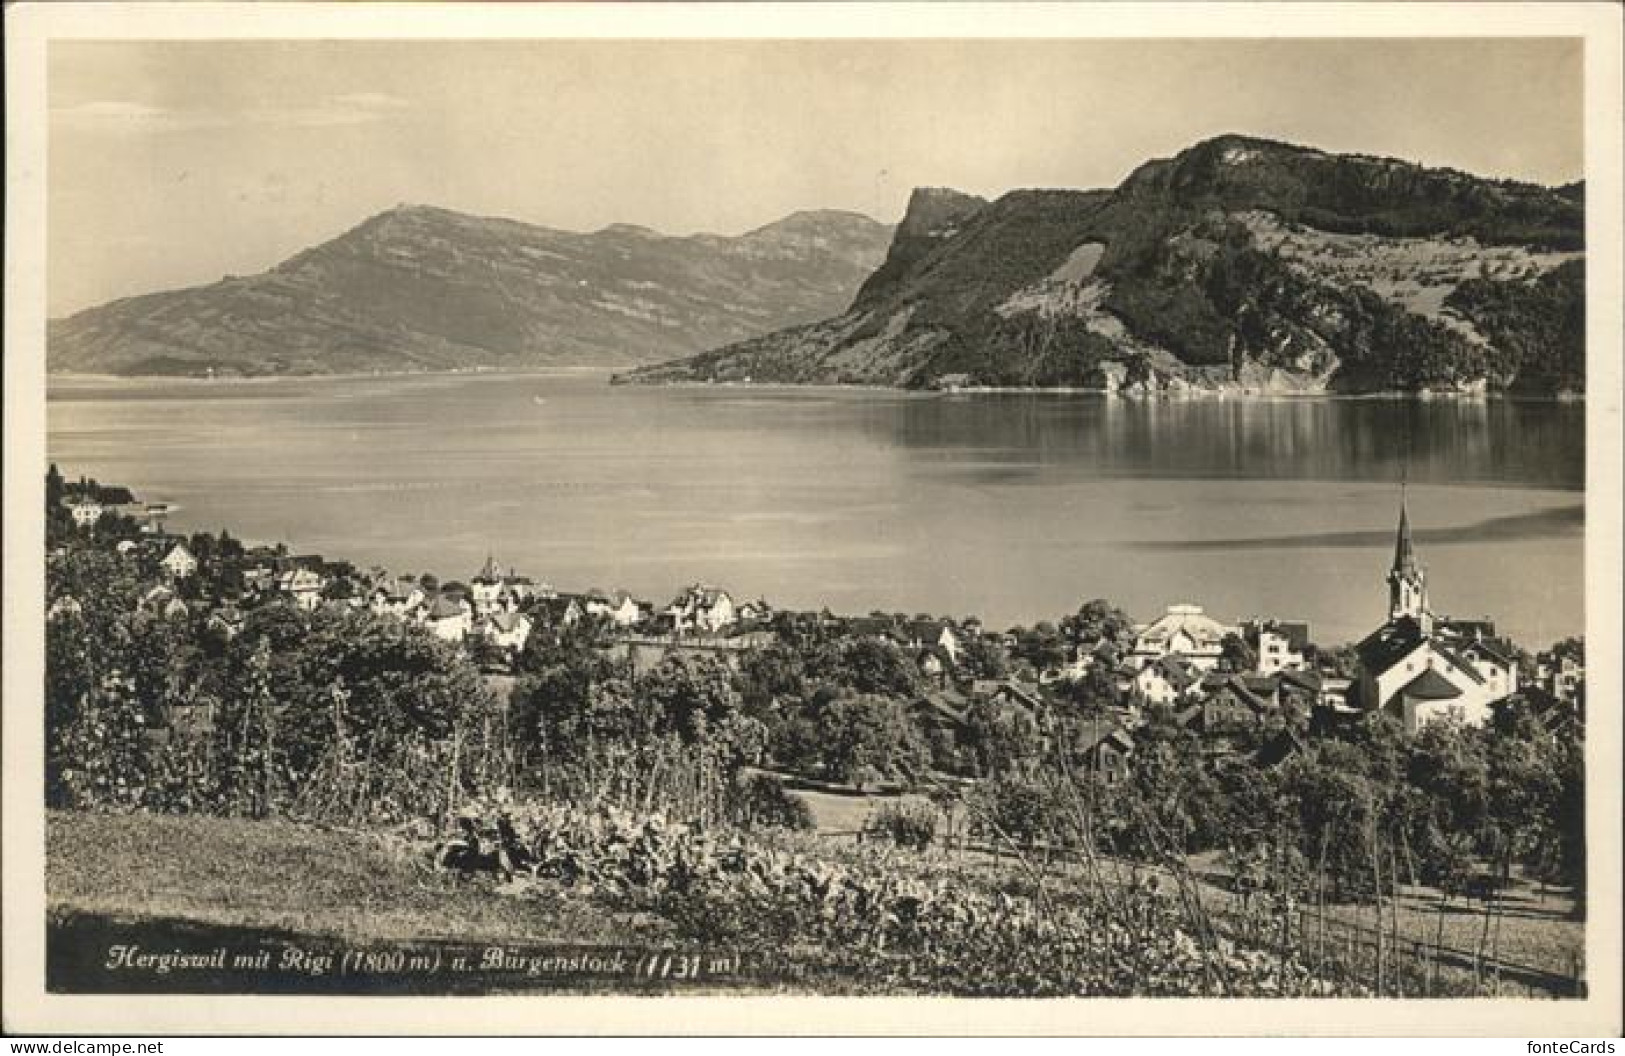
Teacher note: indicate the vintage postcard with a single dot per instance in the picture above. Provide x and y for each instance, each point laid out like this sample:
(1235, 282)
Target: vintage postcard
(1090, 518)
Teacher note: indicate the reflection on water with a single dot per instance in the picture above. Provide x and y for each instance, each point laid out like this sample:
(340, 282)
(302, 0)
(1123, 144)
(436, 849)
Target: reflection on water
(1047, 437)
(1013, 506)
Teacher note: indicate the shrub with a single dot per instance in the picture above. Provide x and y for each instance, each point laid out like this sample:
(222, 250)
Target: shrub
(912, 825)
(761, 801)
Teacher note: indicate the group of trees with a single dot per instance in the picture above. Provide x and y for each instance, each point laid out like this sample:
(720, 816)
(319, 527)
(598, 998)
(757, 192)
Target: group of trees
(1346, 816)
(342, 713)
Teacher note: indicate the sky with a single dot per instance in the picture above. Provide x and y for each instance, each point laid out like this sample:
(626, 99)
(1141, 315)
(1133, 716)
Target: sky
(173, 163)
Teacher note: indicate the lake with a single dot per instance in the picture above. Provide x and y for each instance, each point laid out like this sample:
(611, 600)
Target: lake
(1015, 507)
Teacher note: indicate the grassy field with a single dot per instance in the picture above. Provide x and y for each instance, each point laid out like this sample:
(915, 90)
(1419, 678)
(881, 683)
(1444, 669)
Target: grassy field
(295, 878)
(280, 890)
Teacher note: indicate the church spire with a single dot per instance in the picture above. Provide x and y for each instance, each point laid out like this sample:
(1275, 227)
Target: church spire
(1407, 582)
(1404, 550)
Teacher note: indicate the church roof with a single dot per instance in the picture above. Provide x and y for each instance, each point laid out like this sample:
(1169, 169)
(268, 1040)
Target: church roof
(1389, 644)
(1430, 685)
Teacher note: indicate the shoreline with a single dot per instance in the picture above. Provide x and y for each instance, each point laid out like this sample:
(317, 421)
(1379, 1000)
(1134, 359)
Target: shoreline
(1193, 392)
(557, 372)
(613, 380)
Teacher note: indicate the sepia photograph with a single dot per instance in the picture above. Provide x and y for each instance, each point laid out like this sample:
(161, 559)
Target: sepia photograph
(1009, 504)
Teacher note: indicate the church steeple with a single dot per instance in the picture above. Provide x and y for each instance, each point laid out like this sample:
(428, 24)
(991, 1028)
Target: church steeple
(1407, 582)
(1404, 551)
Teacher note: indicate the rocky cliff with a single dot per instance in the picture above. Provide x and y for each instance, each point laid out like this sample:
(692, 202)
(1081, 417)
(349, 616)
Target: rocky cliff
(1239, 264)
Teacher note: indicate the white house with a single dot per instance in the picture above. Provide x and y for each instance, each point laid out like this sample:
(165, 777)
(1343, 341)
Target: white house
(179, 562)
(303, 586)
(702, 608)
(507, 630)
(1560, 673)
(625, 610)
(161, 601)
(1494, 664)
(447, 618)
(85, 512)
(1185, 630)
(1279, 645)
(1167, 680)
(397, 597)
(619, 608)
(929, 634)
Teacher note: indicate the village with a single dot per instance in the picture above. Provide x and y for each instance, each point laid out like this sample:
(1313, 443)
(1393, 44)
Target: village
(596, 747)
(1260, 684)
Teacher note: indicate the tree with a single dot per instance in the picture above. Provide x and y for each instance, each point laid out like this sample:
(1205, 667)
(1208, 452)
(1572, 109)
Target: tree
(769, 677)
(1040, 646)
(983, 657)
(1098, 620)
(877, 666)
(691, 694)
(1096, 693)
(865, 737)
(1236, 654)
(1000, 737)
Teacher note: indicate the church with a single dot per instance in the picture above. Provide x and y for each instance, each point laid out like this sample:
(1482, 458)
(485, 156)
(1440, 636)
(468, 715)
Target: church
(1422, 668)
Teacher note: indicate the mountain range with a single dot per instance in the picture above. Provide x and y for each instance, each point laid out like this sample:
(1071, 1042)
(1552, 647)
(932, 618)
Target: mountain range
(419, 288)
(1240, 264)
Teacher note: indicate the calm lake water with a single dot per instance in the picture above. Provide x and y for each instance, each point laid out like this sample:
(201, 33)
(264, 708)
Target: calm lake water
(1015, 507)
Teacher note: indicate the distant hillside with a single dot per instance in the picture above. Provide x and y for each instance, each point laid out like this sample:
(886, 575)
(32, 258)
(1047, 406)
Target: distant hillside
(419, 288)
(1240, 263)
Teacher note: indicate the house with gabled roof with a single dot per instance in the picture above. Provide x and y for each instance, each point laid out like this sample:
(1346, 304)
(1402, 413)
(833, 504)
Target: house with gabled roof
(559, 610)
(619, 608)
(701, 608)
(396, 597)
(1102, 748)
(1495, 661)
(1184, 630)
(506, 630)
(162, 601)
(928, 634)
(1226, 705)
(1166, 680)
(179, 562)
(303, 586)
(447, 618)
